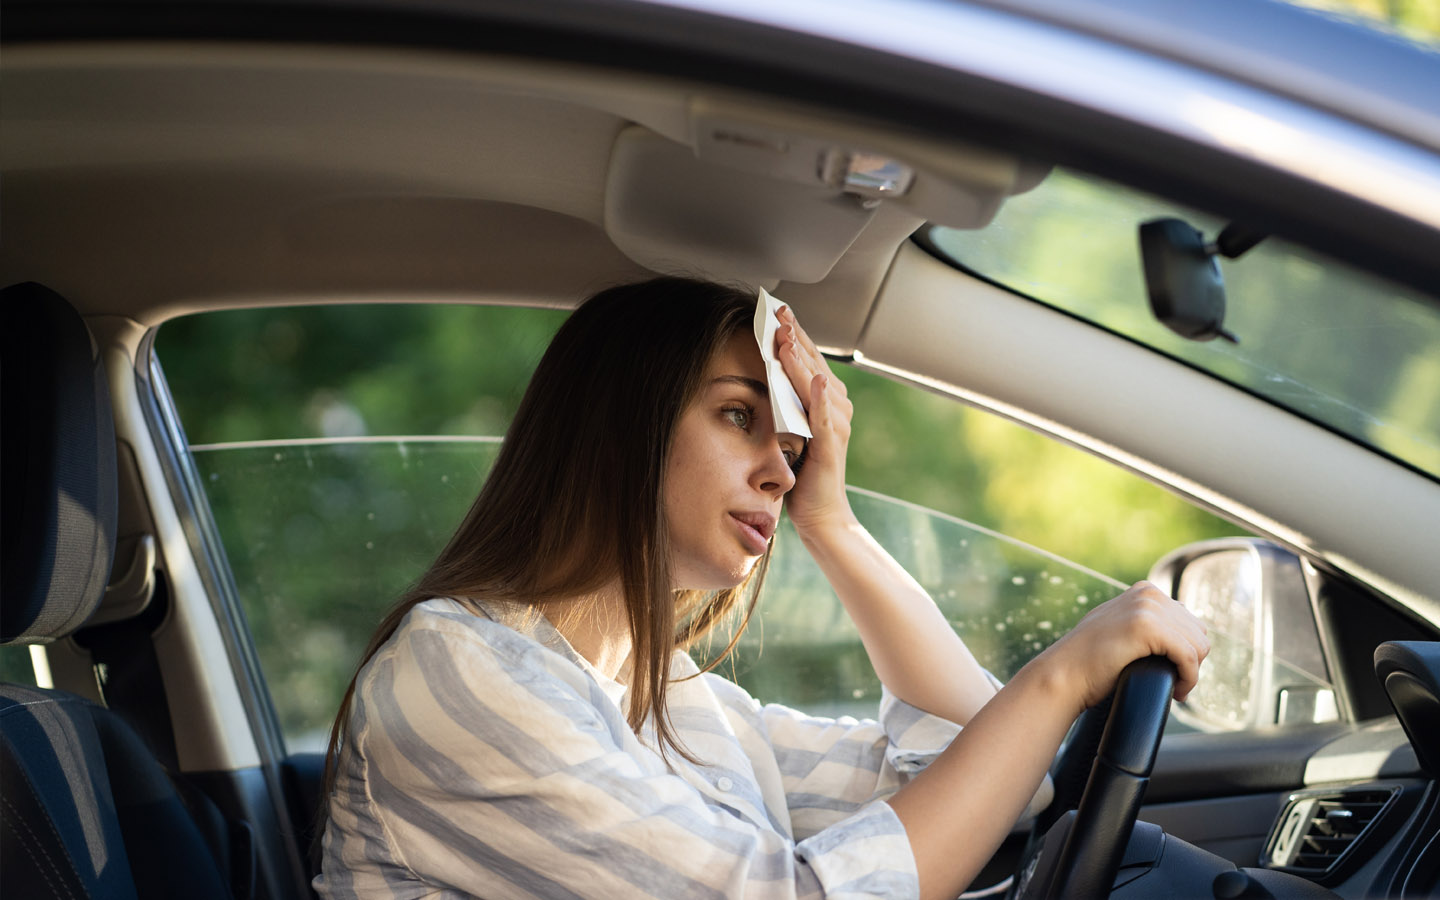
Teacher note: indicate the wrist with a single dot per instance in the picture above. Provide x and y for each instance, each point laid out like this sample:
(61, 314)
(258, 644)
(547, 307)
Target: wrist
(833, 529)
(1049, 678)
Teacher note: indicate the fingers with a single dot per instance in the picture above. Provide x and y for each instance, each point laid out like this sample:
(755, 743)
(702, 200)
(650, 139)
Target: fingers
(793, 329)
(1143, 621)
(796, 346)
(798, 364)
(817, 406)
(1170, 630)
(807, 368)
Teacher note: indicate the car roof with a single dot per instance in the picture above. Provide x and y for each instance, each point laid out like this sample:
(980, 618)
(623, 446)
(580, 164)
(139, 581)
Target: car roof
(185, 112)
(1370, 74)
(167, 158)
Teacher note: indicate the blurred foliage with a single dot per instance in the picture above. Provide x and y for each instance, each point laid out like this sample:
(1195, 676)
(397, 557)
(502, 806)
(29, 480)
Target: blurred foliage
(1416, 19)
(929, 449)
(15, 665)
(376, 511)
(321, 540)
(331, 372)
(1349, 350)
(324, 524)
(343, 371)
(1006, 599)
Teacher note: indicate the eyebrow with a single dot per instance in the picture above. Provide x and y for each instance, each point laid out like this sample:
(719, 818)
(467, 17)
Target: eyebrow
(758, 387)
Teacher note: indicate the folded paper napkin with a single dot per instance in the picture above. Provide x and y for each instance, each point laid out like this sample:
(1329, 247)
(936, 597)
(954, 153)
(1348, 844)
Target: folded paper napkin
(789, 412)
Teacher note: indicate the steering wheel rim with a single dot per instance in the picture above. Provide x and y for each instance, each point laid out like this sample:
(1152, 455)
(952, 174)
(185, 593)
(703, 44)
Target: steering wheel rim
(1124, 759)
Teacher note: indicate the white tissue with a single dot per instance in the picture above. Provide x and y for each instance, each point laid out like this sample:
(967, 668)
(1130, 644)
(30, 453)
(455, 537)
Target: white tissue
(785, 404)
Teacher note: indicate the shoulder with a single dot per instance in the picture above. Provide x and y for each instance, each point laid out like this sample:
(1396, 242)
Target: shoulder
(448, 627)
(731, 696)
(448, 659)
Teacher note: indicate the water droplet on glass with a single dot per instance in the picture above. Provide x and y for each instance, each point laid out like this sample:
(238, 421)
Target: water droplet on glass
(857, 693)
(1044, 626)
(369, 545)
(1018, 579)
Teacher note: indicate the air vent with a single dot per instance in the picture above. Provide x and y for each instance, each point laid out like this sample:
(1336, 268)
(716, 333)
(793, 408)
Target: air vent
(1317, 831)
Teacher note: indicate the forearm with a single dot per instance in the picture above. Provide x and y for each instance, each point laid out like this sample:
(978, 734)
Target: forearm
(957, 812)
(915, 651)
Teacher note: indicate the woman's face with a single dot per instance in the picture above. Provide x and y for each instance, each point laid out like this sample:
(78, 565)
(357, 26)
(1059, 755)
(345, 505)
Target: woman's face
(728, 473)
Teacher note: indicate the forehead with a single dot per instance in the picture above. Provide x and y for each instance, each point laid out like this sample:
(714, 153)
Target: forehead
(738, 356)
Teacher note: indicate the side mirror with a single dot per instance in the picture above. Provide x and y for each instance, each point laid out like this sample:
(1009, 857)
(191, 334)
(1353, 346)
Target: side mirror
(1266, 664)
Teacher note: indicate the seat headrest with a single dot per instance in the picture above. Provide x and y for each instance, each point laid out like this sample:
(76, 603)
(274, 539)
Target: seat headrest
(58, 482)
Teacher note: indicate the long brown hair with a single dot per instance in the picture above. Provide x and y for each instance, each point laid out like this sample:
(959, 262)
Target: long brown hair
(574, 501)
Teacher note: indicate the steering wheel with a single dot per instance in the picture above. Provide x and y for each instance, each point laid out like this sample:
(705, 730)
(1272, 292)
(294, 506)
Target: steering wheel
(1123, 756)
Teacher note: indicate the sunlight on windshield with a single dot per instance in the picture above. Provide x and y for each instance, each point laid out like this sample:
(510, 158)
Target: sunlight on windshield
(1352, 352)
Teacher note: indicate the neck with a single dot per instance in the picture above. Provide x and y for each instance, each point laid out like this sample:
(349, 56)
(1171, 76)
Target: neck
(597, 627)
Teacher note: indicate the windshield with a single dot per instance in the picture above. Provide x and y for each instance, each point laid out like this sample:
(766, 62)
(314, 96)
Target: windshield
(1347, 350)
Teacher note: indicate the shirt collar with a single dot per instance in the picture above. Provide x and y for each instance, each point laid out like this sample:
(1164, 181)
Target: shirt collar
(529, 621)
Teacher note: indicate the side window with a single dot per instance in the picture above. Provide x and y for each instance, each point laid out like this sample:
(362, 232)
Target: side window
(1015, 535)
(340, 446)
(15, 665)
(1008, 600)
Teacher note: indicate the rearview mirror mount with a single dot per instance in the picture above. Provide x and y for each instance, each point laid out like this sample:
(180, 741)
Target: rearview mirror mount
(1182, 275)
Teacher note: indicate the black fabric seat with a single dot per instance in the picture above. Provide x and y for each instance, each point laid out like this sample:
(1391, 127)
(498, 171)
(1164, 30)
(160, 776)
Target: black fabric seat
(89, 813)
(86, 810)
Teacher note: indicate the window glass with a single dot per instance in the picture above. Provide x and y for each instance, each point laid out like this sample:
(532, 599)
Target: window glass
(322, 535)
(340, 446)
(15, 666)
(1352, 352)
(1008, 600)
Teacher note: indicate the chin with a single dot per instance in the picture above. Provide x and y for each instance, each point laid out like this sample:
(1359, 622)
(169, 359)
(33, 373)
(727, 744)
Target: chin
(719, 576)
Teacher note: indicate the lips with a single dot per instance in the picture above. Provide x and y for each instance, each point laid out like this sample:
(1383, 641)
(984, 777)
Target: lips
(756, 529)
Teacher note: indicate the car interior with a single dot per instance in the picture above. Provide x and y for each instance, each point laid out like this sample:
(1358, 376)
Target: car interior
(155, 171)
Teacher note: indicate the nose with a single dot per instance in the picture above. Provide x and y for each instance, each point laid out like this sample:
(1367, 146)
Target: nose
(772, 473)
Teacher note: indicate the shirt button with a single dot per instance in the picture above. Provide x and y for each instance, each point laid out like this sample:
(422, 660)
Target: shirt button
(724, 783)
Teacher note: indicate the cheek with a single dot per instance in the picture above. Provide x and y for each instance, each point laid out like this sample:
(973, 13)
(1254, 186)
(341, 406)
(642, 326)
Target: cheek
(693, 466)
(688, 484)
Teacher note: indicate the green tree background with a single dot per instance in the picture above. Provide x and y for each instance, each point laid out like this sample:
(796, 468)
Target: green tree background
(322, 536)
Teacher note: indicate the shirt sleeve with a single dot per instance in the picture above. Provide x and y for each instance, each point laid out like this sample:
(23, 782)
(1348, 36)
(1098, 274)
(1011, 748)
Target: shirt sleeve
(832, 767)
(492, 770)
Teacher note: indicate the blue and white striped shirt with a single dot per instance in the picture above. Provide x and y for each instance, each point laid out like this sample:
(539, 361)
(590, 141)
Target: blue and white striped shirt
(485, 757)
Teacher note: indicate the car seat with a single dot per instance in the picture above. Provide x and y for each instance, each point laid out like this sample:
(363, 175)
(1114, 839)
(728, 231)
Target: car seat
(86, 808)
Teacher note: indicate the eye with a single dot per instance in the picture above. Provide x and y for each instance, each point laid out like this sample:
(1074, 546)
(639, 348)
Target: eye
(740, 416)
(796, 458)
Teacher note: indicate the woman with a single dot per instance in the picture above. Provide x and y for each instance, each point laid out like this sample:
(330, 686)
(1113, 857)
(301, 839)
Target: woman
(526, 723)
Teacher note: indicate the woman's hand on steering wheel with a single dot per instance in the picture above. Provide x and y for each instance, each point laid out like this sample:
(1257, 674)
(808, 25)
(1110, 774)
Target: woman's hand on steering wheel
(1141, 622)
(818, 498)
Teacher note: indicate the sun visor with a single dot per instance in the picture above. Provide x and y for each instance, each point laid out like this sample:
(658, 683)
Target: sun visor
(954, 183)
(672, 212)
